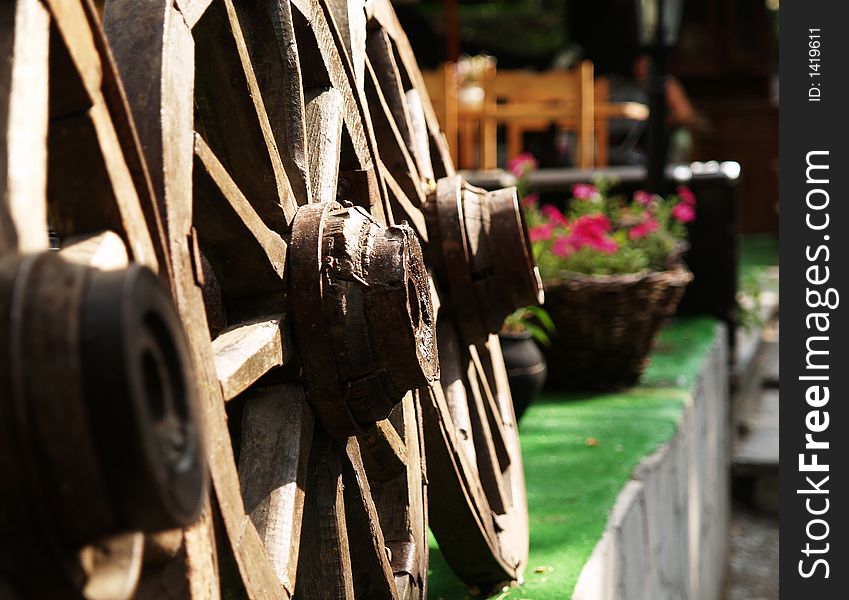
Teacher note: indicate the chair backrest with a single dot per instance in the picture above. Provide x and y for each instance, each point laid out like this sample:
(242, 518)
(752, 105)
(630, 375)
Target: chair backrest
(527, 99)
(443, 86)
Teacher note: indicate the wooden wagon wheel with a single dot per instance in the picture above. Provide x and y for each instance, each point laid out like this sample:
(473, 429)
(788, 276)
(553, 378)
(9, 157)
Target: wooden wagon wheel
(476, 243)
(99, 440)
(254, 120)
(308, 312)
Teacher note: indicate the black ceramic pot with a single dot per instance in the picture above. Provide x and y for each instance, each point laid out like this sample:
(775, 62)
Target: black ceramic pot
(526, 369)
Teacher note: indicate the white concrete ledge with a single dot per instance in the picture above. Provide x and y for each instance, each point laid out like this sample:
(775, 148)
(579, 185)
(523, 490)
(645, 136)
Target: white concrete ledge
(667, 535)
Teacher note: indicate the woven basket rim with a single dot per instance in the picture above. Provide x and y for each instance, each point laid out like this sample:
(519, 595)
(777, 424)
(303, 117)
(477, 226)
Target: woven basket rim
(679, 275)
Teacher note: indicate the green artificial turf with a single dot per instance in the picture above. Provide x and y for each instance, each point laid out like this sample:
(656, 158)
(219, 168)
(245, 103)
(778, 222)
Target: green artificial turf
(756, 253)
(579, 451)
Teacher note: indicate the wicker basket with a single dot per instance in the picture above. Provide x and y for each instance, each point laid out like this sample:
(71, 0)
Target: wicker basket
(607, 325)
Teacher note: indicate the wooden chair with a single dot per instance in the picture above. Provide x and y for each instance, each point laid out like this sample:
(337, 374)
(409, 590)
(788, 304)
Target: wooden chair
(443, 87)
(527, 101)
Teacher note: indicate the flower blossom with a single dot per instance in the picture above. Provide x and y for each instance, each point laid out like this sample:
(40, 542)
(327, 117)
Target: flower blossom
(684, 212)
(540, 232)
(553, 214)
(643, 197)
(686, 194)
(522, 164)
(642, 229)
(562, 247)
(592, 231)
(584, 191)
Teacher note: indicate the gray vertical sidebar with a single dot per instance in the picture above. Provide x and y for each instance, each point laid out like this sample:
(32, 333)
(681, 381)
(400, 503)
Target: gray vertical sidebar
(814, 350)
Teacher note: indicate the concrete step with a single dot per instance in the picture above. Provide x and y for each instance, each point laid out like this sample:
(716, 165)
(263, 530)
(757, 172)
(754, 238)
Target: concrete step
(759, 449)
(754, 465)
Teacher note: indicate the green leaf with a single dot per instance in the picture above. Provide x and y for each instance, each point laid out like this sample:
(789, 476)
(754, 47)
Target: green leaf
(538, 333)
(541, 315)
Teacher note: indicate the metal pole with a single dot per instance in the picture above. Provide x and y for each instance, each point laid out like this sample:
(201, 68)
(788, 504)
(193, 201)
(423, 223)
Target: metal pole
(657, 136)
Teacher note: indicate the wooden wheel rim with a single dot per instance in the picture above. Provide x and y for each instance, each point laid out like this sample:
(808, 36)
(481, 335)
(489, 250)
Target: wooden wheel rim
(326, 136)
(169, 223)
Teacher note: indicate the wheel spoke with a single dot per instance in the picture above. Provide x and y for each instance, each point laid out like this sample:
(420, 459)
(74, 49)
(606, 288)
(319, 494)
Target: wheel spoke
(491, 408)
(383, 451)
(400, 503)
(277, 432)
(401, 204)
(350, 19)
(421, 140)
(386, 72)
(324, 140)
(450, 515)
(104, 250)
(372, 573)
(487, 458)
(248, 257)
(400, 164)
(453, 386)
(24, 41)
(324, 565)
(325, 63)
(82, 132)
(405, 59)
(192, 10)
(267, 31)
(248, 351)
(160, 92)
(234, 120)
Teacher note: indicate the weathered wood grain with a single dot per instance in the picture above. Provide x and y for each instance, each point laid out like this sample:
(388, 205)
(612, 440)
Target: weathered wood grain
(233, 116)
(324, 565)
(383, 451)
(421, 140)
(488, 467)
(270, 41)
(403, 208)
(491, 408)
(395, 154)
(248, 351)
(161, 93)
(383, 13)
(24, 42)
(382, 62)
(349, 17)
(277, 432)
(324, 118)
(104, 250)
(247, 256)
(372, 572)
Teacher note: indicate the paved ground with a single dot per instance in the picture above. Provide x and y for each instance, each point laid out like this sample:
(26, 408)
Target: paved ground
(753, 567)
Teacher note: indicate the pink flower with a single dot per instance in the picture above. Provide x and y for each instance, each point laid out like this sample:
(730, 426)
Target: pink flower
(606, 245)
(522, 164)
(553, 214)
(591, 231)
(592, 225)
(530, 199)
(643, 229)
(687, 196)
(584, 191)
(562, 247)
(541, 232)
(684, 212)
(643, 197)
